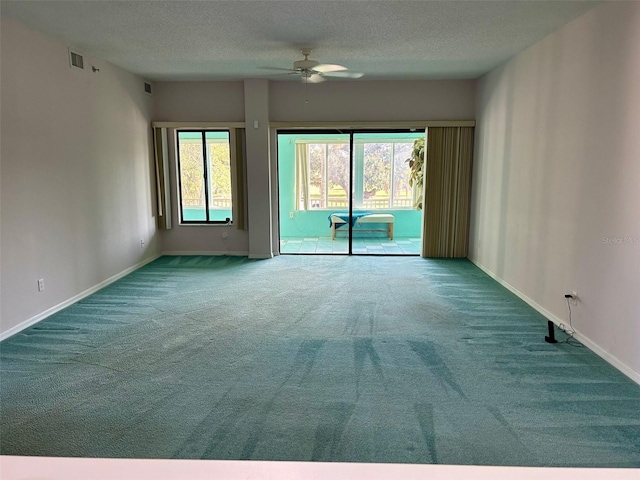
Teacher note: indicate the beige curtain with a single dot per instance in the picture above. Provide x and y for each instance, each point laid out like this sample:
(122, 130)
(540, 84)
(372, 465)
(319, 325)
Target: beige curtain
(302, 172)
(239, 202)
(447, 194)
(163, 193)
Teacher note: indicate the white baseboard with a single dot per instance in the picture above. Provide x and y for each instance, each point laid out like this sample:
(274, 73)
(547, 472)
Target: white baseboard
(184, 253)
(587, 342)
(50, 311)
(261, 256)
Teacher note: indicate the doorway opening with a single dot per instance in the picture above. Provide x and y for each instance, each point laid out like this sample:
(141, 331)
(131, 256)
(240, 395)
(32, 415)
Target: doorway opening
(348, 192)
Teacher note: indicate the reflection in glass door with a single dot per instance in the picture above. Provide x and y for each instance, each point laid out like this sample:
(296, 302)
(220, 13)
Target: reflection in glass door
(347, 193)
(386, 220)
(314, 183)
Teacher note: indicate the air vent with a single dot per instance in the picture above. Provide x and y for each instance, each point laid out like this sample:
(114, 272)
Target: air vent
(147, 88)
(76, 60)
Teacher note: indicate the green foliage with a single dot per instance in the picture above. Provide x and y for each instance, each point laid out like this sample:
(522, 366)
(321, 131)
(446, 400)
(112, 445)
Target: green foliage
(402, 172)
(377, 168)
(378, 162)
(339, 159)
(220, 169)
(191, 173)
(316, 167)
(337, 164)
(416, 164)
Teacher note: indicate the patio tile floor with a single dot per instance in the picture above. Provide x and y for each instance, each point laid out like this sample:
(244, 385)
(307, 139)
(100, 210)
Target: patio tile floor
(361, 246)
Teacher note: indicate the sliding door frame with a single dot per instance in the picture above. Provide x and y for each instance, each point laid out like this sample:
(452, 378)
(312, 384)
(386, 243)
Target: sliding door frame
(320, 131)
(328, 130)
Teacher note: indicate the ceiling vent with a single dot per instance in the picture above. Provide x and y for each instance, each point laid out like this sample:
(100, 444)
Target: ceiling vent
(76, 60)
(147, 88)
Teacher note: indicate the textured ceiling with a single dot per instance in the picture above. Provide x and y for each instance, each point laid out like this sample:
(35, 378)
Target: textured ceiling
(230, 40)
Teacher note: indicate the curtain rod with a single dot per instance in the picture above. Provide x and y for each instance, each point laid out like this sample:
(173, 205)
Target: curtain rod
(198, 124)
(302, 125)
(376, 125)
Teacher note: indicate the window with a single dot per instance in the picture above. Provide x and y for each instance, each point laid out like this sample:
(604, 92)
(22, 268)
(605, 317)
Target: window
(381, 174)
(328, 175)
(204, 173)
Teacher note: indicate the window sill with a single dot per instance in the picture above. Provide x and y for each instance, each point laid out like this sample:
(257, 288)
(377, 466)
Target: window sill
(196, 224)
(355, 209)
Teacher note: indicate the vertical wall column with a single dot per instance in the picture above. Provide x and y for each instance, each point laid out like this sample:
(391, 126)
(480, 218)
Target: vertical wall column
(256, 114)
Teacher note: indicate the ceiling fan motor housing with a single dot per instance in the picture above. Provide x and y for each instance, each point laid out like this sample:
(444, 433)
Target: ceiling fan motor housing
(304, 64)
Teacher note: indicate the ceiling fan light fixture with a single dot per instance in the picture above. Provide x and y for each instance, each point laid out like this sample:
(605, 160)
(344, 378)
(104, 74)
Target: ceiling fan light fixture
(315, 78)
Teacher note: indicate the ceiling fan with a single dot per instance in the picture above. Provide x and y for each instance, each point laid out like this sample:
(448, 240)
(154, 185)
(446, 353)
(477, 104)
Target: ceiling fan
(312, 71)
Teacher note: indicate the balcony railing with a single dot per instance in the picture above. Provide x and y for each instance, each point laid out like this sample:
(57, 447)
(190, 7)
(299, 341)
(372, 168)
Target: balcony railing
(217, 202)
(368, 203)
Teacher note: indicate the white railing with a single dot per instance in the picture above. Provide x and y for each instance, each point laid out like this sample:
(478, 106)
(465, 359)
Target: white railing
(372, 203)
(218, 202)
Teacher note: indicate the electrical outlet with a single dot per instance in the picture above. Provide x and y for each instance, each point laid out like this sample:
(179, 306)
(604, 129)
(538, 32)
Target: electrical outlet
(572, 297)
(141, 243)
(225, 235)
(290, 214)
(40, 284)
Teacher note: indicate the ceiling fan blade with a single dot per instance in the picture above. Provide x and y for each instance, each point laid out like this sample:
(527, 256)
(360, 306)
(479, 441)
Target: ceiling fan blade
(285, 74)
(278, 68)
(344, 74)
(326, 67)
(315, 78)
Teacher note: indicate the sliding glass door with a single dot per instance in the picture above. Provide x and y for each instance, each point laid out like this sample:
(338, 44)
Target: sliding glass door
(314, 175)
(347, 193)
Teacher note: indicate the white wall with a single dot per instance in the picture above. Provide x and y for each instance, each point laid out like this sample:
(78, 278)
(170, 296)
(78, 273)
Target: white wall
(76, 173)
(556, 172)
(259, 185)
(332, 101)
(372, 101)
(198, 101)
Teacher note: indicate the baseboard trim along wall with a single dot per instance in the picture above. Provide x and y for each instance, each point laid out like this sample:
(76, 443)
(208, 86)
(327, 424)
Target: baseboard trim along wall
(587, 342)
(50, 311)
(191, 253)
(557, 321)
(260, 256)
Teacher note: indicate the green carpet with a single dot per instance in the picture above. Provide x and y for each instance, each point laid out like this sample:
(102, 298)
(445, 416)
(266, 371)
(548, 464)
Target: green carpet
(345, 359)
